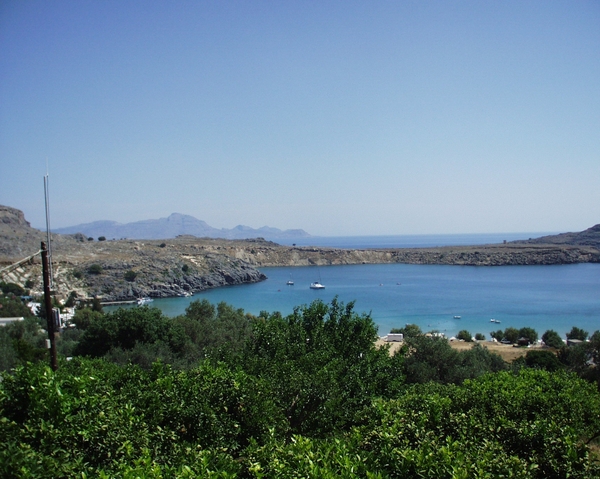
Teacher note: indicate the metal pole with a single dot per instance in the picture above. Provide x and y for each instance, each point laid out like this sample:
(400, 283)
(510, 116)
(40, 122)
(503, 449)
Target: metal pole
(47, 202)
(48, 305)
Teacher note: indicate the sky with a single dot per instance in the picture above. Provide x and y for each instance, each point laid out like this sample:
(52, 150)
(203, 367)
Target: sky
(338, 117)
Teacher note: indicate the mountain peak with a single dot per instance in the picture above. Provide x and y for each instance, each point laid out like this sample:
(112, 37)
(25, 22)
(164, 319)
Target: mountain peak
(176, 224)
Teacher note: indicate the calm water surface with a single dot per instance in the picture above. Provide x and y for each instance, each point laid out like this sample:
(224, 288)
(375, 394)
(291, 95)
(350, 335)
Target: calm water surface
(542, 297)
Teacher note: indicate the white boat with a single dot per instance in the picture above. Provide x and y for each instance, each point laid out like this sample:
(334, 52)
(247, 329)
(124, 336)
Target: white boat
(142, 301)
(290, 282)
(456, 317)
(494, 321)
(316, 285)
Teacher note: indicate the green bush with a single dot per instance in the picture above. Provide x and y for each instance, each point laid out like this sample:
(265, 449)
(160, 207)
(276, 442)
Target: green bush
(511, 334)
(11, 289)
(543, 360)
(464, 335)
(552, 339)
(94, 269)
(528, 333)
(130, 275)
(92, 418)
(577, 333)
(322, 365)
(409, 331)
(13, 307)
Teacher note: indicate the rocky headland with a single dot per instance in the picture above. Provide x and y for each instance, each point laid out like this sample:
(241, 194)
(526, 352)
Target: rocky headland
(122, 270)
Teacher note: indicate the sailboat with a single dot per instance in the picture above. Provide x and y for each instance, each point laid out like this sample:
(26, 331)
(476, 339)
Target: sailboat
(290, 282)
(317, 284)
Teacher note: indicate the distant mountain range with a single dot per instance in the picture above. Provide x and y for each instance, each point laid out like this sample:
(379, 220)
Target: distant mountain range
(175, 225)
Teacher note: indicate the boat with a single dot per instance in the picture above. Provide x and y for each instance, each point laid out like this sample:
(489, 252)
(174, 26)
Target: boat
(456, 317)
(290, 282)
(316, 285)
(142, 301)
(494, 321)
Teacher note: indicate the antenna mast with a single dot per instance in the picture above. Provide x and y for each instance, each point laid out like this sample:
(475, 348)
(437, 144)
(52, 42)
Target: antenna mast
(47, 201)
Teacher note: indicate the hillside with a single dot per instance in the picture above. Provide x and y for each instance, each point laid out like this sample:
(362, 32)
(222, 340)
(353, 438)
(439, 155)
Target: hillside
(589, 237)
(176, 225)
(128, 269)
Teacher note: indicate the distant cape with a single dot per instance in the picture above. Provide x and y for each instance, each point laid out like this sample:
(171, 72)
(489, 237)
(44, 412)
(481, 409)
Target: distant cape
(175, 225)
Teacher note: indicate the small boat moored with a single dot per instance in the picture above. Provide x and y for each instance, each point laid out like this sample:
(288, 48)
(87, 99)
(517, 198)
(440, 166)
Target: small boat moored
(142, 301)
(316, 285)
(456, 317)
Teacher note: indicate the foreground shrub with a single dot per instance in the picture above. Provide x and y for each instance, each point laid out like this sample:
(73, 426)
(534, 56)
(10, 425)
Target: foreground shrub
(91, 415)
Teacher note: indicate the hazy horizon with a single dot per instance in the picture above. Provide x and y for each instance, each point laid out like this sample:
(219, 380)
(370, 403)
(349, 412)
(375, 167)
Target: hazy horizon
(345, 118)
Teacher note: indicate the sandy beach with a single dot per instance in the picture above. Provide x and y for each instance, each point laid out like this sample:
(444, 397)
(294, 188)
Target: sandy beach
(506, 351)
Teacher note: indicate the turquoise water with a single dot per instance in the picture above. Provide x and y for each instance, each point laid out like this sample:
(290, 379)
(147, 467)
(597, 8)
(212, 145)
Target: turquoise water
(542, 297)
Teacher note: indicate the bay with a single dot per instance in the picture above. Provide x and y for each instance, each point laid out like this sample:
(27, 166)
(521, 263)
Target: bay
(542, 297)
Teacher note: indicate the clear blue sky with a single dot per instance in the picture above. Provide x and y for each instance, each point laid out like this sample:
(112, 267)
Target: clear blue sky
(338, 117)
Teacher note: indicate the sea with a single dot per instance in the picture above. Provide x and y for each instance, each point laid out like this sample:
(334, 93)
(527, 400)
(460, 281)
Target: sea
(439, 298)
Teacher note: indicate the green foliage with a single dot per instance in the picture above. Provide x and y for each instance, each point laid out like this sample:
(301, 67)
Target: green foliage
(96, 305)
(130, 275)
(497, 335)
(21, 342)
(465, 336)
(71, 300)
(480, 337)
(13, 307)
(495, 426)
(102, 238)
(552, 339)
(30, 283)
(433, 359)
(94, 269)
(511, 334)
(92, 418)
(122, 329)
(528, 333)
(500, 425)
(575, 358)
(11, 288)
(143, 335)
(543, 360)
(185, 268)
(409, 331)
(84, 316)
(577, 333)
(322, 364)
